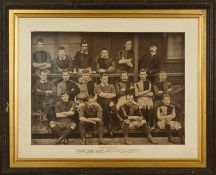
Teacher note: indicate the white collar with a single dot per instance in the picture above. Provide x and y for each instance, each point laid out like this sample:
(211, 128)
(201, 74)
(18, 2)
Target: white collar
(62, 58)
(104, 85)
(153, 54)
(84, 52)
(162, 81)
(82, 81)
(142, 80)
(41, 81)
(128, 49)
(104, 57)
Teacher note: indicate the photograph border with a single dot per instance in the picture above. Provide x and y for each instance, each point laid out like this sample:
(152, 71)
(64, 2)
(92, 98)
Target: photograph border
(15, 15)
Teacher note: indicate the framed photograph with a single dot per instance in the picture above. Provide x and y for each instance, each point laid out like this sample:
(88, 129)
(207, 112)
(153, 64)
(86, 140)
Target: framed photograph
(108, 89)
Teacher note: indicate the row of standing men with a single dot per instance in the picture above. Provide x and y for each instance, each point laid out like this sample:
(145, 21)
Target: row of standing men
(41, 60)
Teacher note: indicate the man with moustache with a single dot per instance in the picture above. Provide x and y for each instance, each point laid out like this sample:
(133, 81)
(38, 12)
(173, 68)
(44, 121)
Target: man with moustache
(150, 62)
(83, 60)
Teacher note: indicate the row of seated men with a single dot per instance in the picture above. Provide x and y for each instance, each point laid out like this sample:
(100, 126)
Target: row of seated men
(41, 60)
(140, 105)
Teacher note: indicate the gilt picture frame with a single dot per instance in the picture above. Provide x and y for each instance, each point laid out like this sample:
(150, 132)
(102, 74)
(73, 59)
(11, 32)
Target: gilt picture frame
(198, 85)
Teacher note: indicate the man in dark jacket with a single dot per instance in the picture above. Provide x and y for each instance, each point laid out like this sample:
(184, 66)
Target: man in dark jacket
(83, 60)
(67, 86)
(150, 62)
(62, 63)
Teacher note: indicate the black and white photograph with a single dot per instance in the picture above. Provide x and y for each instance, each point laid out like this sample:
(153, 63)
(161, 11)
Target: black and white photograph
(107, 88)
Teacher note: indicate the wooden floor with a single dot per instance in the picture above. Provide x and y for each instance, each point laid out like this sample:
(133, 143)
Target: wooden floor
(110, 141)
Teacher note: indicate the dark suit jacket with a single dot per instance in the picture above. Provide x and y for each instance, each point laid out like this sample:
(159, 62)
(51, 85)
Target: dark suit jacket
(66, 64)
(151, 63)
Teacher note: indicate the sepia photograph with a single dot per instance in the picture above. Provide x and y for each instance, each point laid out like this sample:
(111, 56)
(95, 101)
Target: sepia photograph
(107, 88)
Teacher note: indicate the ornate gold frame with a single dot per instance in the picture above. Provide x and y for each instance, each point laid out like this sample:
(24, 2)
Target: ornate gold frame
(14, 16)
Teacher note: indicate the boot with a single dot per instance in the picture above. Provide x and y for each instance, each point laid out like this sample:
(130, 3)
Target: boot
(151, 140)
(83, 141)
(82, 132)
(169, 132)
(66, 141)
(147, 130)
(59, 140)
(181, 135)
(65, 135)
(126, 142)
(170, 139)
(102, 142)
(126, 127)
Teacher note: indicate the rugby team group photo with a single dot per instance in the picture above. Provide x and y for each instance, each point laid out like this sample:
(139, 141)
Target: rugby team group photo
(114, 92)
